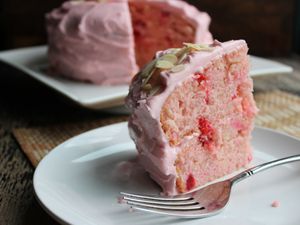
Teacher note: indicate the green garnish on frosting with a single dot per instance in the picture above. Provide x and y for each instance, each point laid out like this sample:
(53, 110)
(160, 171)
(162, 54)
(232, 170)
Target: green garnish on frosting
(170, 58)
(172, 61)
(198, 47)
(164, 64)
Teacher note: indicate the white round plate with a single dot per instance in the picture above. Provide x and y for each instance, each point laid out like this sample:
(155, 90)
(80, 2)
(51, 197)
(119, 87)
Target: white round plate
(79, 181)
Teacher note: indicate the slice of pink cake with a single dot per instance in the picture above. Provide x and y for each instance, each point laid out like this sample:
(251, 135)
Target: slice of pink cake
(192, 114)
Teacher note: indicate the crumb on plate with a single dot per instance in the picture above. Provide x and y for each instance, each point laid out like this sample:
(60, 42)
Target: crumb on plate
(275, 204)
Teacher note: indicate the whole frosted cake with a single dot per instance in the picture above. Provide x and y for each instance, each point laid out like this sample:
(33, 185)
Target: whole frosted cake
(192, 114)
(105, 42)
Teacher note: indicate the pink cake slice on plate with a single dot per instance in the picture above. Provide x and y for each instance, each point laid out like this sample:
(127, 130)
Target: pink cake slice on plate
(192, 114)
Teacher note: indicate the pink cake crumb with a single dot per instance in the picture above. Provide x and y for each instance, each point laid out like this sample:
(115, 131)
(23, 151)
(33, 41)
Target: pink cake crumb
(275, 204)
(120, 200)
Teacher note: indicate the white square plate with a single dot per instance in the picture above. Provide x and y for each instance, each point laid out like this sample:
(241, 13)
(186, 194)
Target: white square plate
(33, 60)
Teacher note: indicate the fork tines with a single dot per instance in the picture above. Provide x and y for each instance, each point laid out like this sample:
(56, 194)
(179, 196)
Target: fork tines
(182, 203)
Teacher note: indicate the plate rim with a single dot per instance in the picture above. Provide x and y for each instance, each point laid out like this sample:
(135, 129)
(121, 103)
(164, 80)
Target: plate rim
(57, 148)
(53, 151)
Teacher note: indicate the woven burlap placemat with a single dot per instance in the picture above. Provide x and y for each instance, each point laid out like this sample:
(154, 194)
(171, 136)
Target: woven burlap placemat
(36, 142)
(278, 110)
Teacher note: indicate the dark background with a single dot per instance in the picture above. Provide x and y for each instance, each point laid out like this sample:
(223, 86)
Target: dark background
(271, 27)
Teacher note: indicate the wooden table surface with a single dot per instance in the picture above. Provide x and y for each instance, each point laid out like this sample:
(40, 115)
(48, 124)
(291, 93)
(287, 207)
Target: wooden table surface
(25, 102)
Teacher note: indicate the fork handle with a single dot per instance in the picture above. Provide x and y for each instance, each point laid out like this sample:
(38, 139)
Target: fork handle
(254, 170)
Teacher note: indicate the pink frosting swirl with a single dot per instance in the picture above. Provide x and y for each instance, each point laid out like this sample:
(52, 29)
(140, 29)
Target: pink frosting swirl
(99, 32)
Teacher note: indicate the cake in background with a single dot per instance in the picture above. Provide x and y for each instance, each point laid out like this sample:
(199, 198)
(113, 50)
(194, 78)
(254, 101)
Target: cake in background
(106, 42)
(192, 114)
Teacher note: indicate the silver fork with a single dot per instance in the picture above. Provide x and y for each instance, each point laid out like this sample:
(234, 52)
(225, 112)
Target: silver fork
(204, 202)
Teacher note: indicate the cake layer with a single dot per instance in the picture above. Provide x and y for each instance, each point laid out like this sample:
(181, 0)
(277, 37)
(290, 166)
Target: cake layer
(192, 121)
(207, 118)
(163, 24)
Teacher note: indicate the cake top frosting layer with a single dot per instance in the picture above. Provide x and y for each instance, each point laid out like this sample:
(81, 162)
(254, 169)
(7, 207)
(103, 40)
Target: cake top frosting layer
(100, 32)
(106, 22)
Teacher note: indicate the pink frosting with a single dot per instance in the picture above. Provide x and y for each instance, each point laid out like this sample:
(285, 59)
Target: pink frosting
(99, 32)
(92, 41)
(155, 154)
